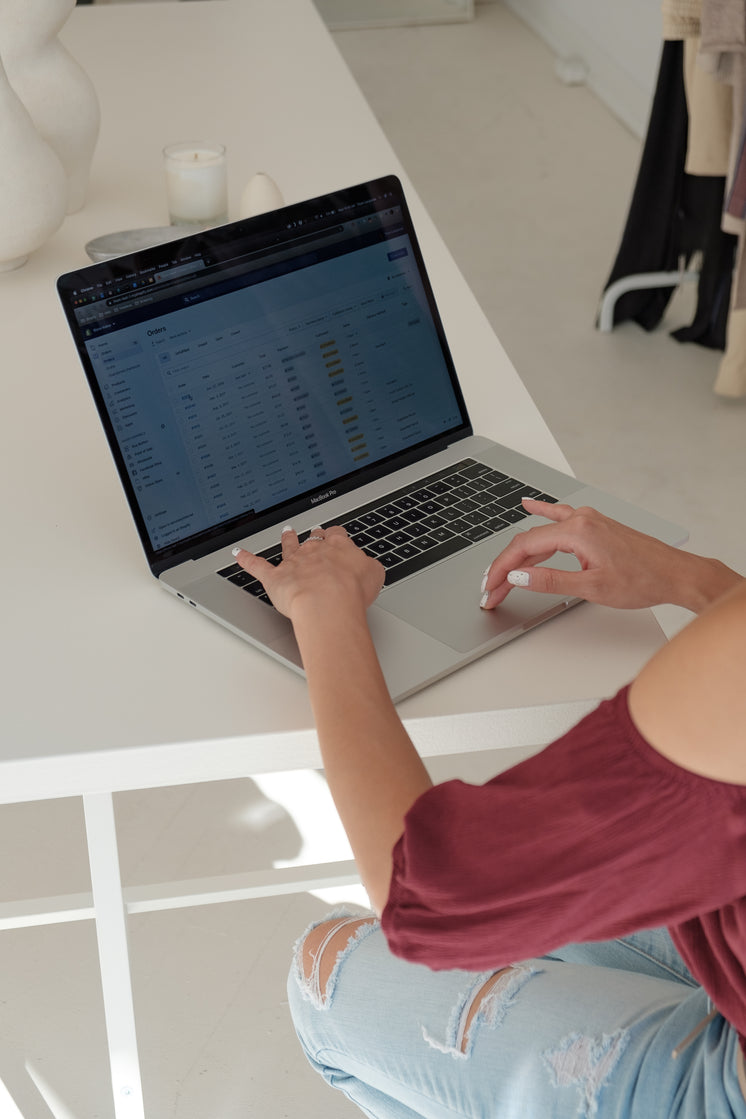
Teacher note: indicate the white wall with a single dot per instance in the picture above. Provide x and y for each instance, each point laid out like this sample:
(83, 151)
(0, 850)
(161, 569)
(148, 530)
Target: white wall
(618, 40)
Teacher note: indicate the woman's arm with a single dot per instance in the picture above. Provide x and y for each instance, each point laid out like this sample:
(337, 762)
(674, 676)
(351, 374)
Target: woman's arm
(689, 701)
(373, 770)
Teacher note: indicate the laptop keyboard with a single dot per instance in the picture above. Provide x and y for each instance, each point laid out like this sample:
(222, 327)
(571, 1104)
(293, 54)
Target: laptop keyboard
(424, 523)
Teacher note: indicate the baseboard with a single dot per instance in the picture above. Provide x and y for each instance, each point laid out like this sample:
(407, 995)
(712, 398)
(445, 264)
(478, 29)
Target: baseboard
(624, 84)
(341, 15)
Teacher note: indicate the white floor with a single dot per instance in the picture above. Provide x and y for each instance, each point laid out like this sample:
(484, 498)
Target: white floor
(528, 181)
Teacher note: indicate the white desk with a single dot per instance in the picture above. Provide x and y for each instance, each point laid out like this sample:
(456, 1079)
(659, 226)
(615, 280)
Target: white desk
(109, 683)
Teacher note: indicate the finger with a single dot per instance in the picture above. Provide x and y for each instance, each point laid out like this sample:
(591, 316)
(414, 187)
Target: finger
(552, 510)
(542, 580)
(336, 530)
(526, 549)
(289, 541)
(316, 535)
(260, 568)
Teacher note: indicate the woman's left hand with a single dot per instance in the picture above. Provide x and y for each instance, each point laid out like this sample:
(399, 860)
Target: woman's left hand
(326, 570)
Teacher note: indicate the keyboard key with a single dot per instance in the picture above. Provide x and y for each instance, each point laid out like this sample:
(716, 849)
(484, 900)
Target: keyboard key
(476, 517)
(389, 511)
(241, 578)
(477, 532)
(475, 469)
(425, 559)
(424, 543)
(233, 569)
(413, 515)
(494, 524)
(514, 515)
(378, 548)
(510, 486)
(255, 588)
(451, 514)
(418, 529)
(430, 507)
(440, 534)
(464, 491)
(434, 522)
(394, 523)
(407, 551)
(378, 531)
(399, 538)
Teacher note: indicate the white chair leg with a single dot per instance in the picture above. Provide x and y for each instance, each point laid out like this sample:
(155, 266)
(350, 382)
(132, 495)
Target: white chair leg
(638, 282)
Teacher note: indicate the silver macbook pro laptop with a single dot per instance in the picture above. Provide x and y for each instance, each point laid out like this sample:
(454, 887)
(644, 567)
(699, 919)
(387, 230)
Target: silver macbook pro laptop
(293, 368)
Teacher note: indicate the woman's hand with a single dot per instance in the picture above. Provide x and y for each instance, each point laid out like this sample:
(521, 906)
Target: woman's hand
(327, 570)
(618, 566)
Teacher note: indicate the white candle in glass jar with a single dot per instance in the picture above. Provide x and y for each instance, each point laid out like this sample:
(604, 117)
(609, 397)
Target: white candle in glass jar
(196, 183)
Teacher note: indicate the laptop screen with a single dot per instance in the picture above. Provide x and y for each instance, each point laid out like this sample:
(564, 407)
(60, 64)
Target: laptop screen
(248, 369)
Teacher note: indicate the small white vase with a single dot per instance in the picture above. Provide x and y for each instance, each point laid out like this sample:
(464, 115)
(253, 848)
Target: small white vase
(33, 184)
(56, 91)
(260, 194)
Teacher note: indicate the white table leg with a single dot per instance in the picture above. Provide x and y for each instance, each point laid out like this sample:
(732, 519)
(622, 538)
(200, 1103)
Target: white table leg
(111, 931)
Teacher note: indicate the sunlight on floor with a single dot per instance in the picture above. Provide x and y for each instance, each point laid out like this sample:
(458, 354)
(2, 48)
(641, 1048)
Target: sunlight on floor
(306, 798)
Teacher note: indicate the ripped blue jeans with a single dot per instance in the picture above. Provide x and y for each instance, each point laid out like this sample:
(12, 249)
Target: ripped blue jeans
(586, 1033)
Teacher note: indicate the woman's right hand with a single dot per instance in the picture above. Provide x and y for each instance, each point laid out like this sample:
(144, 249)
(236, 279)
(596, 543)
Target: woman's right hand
(619, 566)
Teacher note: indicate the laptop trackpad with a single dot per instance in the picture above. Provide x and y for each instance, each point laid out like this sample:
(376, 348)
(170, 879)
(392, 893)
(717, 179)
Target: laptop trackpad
(444, 602)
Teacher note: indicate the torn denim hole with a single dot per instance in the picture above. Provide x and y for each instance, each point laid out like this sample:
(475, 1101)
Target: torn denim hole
(495, 1004)
(337, 920)
(587, 1063)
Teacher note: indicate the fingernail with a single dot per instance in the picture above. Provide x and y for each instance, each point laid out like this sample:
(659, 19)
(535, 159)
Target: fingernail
(519, 578)
(483, 585)
(287, 528)
(483, 601)
(316, 528)
(235, 551)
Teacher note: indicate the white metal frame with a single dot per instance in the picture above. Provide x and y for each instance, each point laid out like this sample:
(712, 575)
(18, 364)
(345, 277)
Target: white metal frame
(109, 903)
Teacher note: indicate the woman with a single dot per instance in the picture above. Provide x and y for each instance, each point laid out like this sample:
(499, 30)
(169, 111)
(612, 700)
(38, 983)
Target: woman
(465, 999)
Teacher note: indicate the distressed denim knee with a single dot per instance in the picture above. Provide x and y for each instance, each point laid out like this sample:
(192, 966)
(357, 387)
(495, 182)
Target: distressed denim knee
(321, 951)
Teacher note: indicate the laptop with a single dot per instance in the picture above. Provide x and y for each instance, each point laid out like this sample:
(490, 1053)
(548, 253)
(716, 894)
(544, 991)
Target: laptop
(292, 368)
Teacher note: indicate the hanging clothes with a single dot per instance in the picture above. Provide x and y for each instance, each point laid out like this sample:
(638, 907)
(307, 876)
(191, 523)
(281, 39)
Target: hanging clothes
(672, 216)
(692, 168)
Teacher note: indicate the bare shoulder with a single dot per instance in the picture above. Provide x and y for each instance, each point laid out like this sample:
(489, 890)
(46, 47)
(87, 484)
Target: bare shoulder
(689, 701)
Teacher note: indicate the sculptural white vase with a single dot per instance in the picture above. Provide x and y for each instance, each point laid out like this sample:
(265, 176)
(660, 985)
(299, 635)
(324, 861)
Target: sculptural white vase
(260, 194)
(56, 91)
(33, 183)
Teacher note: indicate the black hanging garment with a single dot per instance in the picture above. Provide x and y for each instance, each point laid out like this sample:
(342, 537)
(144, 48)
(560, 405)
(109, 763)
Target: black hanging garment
(673, 215)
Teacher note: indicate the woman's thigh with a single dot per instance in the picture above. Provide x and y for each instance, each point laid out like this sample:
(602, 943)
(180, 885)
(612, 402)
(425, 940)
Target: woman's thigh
(649, 952)
(549, 1038)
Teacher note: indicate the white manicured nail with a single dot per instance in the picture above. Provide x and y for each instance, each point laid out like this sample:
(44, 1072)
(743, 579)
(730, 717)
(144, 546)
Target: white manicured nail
(235, 551)
(287, 528)
(483, 601)
(483, 585)
(519, 578)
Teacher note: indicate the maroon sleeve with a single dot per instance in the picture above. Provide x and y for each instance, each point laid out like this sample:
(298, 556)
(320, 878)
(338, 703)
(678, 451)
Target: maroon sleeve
(595, 837)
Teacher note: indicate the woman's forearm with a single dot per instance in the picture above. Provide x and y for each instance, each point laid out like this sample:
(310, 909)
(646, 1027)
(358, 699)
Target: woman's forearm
(373, 770)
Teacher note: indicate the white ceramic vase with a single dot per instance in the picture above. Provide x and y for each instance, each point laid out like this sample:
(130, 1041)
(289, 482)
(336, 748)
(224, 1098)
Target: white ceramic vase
(33, 183)
(56, 91)
(260, 194)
